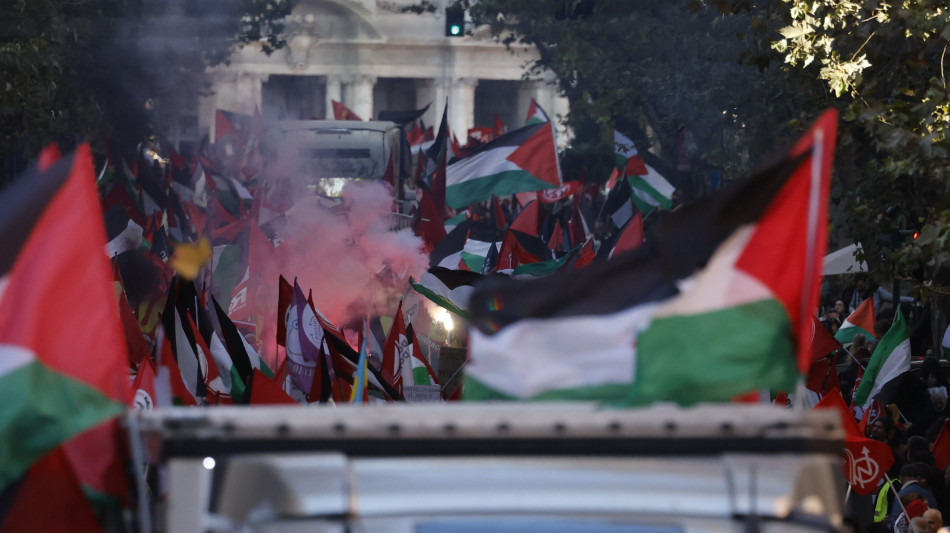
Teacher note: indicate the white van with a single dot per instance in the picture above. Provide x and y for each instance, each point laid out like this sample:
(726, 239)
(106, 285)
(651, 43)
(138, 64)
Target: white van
(494, 468)
(324, 154)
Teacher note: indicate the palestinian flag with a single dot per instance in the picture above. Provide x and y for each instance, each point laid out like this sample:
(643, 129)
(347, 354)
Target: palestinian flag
(536, 114)
(890, 359)
(944, 344)
(624, 149)
(647, 327)
(63, 354)
(454, 299)
(651, 191)
(860, 321)
(519, 161)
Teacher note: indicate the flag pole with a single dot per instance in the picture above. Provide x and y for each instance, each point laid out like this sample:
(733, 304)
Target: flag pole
(896, 496)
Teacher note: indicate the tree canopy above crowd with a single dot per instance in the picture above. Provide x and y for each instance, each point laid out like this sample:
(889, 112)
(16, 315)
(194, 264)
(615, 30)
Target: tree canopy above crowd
(113, 68)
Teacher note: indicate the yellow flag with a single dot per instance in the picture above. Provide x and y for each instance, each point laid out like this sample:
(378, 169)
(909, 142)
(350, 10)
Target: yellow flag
(190, 257)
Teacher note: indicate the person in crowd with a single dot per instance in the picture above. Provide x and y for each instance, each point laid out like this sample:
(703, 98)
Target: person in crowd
(832, 321)
(863, 290)
(913, 478)
(934, 520)
(841, 309)
(884, 430)
(915, 507)
(932, 374)
(932, 413)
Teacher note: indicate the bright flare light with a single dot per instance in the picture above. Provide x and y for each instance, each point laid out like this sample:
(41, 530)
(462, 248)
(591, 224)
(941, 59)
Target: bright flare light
(442, 316)
(208, 463)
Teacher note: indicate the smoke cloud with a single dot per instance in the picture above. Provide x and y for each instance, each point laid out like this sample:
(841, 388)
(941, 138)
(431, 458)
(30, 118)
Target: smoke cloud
(347, 254)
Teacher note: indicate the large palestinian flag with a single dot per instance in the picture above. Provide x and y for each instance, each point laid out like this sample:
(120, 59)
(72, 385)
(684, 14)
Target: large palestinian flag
(715, 304)
(62, 348)
(519, 161)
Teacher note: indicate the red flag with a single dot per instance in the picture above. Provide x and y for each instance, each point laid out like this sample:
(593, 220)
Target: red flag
(50, 499)
(135, 344)
(635, 167)
(941, 448)
(180, 393)
(871, 414)
(341, 112)
(500, 221)
(396, 351)
(556, 194)
(429, 224)
(143, 387)
(822, 341)
(512, 254)
(822, 378)
(500, 128)
(865, 460)
(631, 237)
(556, 242)
(266, 392)
(285, 293)
(528, 220)
(585, 256)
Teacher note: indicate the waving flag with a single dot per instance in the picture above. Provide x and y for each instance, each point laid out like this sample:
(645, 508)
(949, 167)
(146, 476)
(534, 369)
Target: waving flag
(62, 349)
(647, 327)
(651, 190)
(341, 112)
(860, 321)
(890, 359)
(522, 160)
(536, 114)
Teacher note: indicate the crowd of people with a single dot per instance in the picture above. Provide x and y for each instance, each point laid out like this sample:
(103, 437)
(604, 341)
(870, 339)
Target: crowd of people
(910, 414)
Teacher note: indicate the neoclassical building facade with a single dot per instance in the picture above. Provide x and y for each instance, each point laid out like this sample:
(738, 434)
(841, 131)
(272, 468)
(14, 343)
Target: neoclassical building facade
(374, 57)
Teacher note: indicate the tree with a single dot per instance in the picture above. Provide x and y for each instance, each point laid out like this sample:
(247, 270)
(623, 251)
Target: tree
(88, 69)
(662, 71)
(743, 76)
(886, 64)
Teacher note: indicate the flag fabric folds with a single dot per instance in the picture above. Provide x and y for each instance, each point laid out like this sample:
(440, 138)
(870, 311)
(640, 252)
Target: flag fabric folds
(647, 326)
(522, 160)
(890, 359)
(53, 237)
(860, 321)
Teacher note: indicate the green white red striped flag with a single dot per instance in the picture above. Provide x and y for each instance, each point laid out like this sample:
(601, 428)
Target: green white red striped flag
(890, 359)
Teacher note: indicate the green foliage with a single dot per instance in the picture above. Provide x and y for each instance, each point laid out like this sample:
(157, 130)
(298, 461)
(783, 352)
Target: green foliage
(885, 62)
(655, 68)
(87, 69)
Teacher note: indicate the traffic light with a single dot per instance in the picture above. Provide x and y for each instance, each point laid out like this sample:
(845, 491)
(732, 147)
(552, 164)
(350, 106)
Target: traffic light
(454, 21)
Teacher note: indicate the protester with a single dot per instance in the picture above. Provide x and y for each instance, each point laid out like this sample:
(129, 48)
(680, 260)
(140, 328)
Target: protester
(862, 290)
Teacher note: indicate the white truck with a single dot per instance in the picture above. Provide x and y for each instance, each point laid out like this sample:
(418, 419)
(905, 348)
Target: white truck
(493, 468)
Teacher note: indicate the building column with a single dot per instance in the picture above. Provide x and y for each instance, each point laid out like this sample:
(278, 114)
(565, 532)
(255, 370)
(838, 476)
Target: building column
(363, 96)
(432, 92)
(334, 86)
(462, 106)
